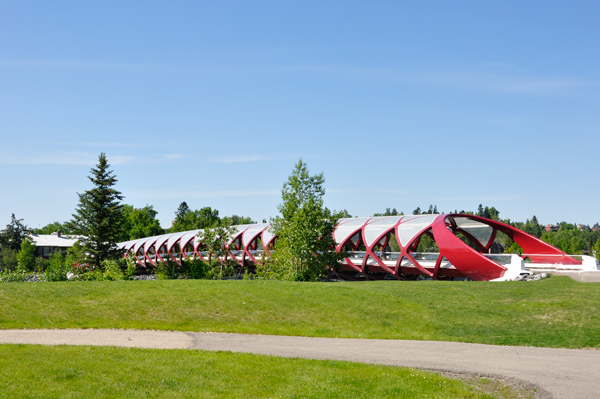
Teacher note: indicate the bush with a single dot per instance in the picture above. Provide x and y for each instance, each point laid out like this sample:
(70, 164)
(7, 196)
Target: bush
(596, 249)
(195, 268)
(57, 268)
(75, 256)
(60, 269)
(41, 264)
(218, 270)
(19, 276)
(13, 276)
(112, 271)
(131, 268)
(26, 256)
(167, 270)
(8, 259)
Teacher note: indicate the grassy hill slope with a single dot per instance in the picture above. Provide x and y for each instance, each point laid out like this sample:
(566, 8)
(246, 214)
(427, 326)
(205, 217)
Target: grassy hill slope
(556, 312)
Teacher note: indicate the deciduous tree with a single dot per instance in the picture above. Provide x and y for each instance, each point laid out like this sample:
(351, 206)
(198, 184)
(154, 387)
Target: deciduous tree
(51, 228)
(305, 248)
(192, 220)
(235, 220)
(596, 249)
(214, 242)
(8, 259)
(389, 212)
(140, 223)
(26, 256)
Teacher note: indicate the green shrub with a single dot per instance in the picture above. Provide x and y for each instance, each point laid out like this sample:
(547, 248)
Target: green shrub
(13, 276)
(218, 270)
(167, 270)
(8, 259)
(26, 256)
(195, 268)
(112, 271)
(131, 268)
(90, 275)
(20, 276)
(57, 268)
(75, 256)
(596, 249)
(41, 264)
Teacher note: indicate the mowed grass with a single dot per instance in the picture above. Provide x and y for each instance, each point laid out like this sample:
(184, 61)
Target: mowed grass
(555, 312)
(30, 371)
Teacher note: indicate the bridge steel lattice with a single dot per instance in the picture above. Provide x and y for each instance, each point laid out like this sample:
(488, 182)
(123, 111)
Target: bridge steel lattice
(367, 242)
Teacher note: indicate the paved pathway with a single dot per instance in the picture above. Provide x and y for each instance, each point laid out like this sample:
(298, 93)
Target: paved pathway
(563, 373)
(582, 277)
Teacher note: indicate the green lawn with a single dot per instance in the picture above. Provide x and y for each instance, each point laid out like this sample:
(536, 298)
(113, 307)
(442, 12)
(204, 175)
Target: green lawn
(30, 371)
(555, 312)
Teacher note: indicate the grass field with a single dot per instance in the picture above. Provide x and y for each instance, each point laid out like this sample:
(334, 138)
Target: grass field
(30, 371)
(555, 312)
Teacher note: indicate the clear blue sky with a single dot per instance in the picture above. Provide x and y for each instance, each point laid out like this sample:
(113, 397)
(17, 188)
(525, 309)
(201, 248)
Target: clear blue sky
(400, 104)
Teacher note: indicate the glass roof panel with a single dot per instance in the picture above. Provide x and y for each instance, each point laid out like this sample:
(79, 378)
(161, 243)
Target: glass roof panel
(409, 229)
(252, 232)
(188, 236)
(377, 228)
(138, 244)
(342, 232)
(174, 238)
(267, 236)
(127, 245)
(481, 231)
(161, 240)
(148, 243)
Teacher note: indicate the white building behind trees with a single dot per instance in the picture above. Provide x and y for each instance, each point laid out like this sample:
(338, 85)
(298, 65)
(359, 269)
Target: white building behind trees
(47, 244)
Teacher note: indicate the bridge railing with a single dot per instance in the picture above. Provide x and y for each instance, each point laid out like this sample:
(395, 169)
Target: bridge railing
(561, 262)
(513, 263)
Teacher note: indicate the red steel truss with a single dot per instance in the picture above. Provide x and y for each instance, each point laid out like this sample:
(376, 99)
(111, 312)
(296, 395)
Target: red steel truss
(367, 243)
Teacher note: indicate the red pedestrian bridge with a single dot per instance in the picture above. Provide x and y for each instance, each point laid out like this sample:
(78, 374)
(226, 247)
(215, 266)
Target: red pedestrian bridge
(464, 245)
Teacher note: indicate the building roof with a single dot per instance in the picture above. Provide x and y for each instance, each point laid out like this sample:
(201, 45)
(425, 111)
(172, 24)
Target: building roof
(53, 240)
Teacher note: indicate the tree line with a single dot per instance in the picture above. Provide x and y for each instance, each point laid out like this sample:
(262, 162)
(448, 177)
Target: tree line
(100, 220)
(304, 249)
(143, 222)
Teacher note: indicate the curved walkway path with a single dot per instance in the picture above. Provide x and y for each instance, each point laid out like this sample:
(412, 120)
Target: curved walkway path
(561, 373)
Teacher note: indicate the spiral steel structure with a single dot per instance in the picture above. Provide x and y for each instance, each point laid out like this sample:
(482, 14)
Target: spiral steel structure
(367, 242)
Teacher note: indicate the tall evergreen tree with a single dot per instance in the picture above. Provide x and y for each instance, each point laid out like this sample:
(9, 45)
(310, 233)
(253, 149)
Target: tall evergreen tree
(480, 211)
(182, 210)
(14, 234)
(99, 217)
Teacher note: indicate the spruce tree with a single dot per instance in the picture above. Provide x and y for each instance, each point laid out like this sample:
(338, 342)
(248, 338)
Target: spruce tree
(182, 210)
(99, 217)
(14, 234)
